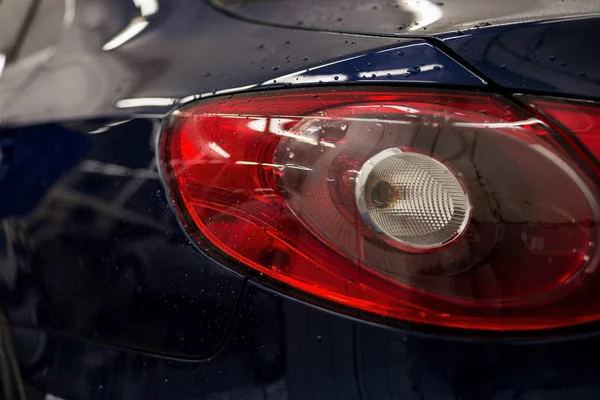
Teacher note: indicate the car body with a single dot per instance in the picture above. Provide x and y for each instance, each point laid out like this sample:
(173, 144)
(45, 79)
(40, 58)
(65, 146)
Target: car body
(103, 292)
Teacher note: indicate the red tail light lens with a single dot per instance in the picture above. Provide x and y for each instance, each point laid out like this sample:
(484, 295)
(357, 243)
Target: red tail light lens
(582, 118)
(442, 208)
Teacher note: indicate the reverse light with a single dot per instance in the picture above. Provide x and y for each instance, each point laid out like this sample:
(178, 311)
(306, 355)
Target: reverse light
(444, 208)
(411, 198)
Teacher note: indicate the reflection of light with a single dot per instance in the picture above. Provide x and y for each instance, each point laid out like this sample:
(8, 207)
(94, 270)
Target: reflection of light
(300, 167)
(280, 166)
(261, 164)
(402, 108)
(425, 12)
(217, 149)
(147, 7)
(108, 126)
(2, 62)
(276, 127)
(288, 78)
(327, 144)
(310, 79)
(136, 26)
(187, 99)
(258, 125)
(69, 13)
(492, 125)
(403, 71)
(146, 102)
(392, 106)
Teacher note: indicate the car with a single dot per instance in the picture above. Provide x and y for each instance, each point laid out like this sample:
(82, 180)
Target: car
(299, 199)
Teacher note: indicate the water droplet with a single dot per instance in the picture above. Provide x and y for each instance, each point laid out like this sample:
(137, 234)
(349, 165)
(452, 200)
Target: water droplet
(552, 58)
(400, 27)
(414, 70)
(319, 338)
(437, 67)
(275, 68)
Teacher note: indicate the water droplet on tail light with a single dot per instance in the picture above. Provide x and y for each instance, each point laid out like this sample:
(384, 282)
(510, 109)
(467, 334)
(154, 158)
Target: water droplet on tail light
(502, 227)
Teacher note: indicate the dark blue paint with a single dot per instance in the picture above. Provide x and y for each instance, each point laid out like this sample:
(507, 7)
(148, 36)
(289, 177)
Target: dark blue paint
(557, 57)
(280, 348)
(90, 247)
(32, 161)
(413, 62)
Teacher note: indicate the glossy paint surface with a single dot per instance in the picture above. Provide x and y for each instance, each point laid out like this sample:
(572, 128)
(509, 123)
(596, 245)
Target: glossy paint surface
(91, 248)
(414, 61)
(556, 58)
(108, 298)
(281, 349)
(402, 17)
(186, 48)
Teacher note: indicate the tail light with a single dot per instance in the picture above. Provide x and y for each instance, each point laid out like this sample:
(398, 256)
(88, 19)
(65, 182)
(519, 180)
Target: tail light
(582, 118)
(446, 208)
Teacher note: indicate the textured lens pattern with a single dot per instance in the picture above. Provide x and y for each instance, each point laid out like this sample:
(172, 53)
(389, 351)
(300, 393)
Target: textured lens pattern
(415, 200)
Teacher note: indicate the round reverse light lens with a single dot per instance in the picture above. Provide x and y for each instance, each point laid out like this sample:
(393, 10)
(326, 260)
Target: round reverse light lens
(412, 199)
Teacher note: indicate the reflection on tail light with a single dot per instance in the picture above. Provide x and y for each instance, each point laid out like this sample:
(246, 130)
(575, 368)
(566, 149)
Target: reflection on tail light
(444, 208)
(582, 118)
